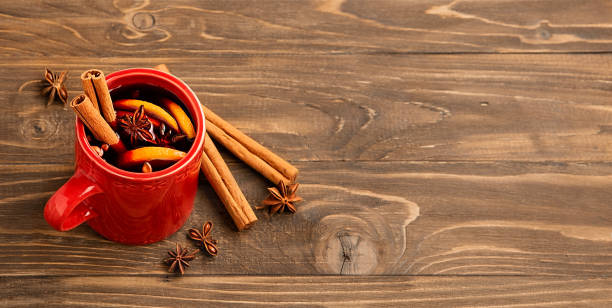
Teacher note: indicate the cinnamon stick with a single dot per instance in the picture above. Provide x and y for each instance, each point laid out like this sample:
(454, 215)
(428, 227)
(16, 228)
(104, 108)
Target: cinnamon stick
(90, 116)
(243, 154)
(288, 171)
(95, 87)
(228, 179)
(260, 158)
(215, 180)
(223, 182)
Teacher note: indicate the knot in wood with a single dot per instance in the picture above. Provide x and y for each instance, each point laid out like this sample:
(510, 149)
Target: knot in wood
(36, 129)
(543, 31)
(543, 34)
(143, 21)
(352, 254)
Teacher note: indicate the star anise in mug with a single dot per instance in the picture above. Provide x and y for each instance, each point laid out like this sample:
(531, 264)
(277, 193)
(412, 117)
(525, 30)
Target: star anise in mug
(137, 126)
(55, 87)
(204, 238)
(281, 199)
(179, 259)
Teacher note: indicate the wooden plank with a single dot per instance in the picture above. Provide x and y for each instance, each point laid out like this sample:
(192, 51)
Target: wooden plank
(381, 218)
(298, 291)
(440, 107)
(136, 28)
(456, 151)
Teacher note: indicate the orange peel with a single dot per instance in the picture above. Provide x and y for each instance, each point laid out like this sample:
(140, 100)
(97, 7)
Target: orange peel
(156, 156)
(181, 117)
(152, 111)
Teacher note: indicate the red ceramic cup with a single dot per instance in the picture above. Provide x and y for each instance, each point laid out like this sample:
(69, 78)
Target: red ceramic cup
(129, 207)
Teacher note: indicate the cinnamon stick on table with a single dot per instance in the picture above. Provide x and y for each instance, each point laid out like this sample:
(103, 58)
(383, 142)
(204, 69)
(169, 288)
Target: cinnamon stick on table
(223, 182)
(258, 157)
(221, 179)
(245, 155)
(235, 141)
(95, 87)
(90, 116)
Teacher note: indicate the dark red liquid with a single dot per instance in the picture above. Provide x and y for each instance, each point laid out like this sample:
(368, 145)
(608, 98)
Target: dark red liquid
(164, 136)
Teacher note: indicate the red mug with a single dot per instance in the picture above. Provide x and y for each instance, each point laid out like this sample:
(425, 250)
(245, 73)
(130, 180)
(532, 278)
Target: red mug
(129, 207)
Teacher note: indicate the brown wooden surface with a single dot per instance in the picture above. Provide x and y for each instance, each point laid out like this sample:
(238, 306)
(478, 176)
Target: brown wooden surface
(451, 153)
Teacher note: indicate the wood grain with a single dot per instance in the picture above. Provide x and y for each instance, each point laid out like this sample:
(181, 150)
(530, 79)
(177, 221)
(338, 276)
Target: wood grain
(378, 218)
(453, 153)
(299, 291)
(189, 27)
(439, 108)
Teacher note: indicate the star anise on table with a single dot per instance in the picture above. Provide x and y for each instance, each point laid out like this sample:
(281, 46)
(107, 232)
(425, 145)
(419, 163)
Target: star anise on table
(137, 126)
(281, 198)
(204, 238)
(166, 137)
(179, 259)
(55, 86)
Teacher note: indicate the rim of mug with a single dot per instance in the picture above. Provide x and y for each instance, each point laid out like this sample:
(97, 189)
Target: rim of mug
(196, 113)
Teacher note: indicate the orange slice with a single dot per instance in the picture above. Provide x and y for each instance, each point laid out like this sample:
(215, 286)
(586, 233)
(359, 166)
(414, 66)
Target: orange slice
(180, 116)
(156, 156)
(151, 110)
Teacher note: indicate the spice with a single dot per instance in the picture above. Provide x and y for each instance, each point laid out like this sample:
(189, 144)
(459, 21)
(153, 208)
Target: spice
(243, 153)
(179, 259)
(97, 150)
(92, 118)
(55, 86)
(223, 182)
(166, 137)
(95, 87)
(204, 238)
(146, 167)
(137, 126)
(260, 158)
(281, 199)
(220, 178)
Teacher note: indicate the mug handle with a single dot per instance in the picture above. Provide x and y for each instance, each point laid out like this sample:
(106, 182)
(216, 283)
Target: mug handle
(65, 211)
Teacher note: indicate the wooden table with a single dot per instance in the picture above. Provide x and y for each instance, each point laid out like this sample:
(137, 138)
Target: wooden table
(452, 153)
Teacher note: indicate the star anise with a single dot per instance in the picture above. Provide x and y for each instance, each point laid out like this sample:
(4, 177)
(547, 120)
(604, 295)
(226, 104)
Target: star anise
(204, 238)
(166, 137)
(179, 259)
(281, 199)
(137, 126)
(55, 86)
